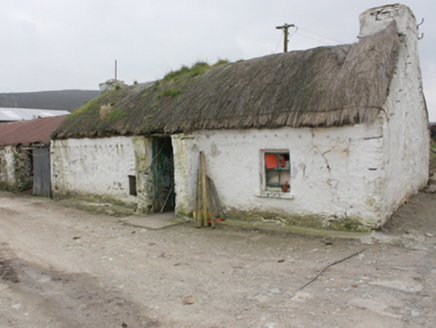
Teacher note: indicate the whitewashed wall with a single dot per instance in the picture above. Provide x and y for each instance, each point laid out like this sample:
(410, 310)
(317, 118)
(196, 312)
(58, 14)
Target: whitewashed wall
(406, 133)
(185, 165)
(335, 172)
(7, 166)
(356, 173)
(97, 167)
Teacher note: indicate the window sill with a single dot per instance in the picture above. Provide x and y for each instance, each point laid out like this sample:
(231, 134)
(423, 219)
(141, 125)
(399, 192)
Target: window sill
(275, 194)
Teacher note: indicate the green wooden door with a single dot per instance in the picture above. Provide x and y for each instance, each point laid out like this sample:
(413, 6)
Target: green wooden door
(163, 175)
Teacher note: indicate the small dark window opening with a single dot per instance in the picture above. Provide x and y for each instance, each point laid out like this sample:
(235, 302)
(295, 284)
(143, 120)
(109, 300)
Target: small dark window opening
(132, 185)
(278, 170)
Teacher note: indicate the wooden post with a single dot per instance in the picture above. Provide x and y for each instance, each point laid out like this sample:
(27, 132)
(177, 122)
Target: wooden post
(211, 202)
(285, 28)
(204, 188)
(217, 200)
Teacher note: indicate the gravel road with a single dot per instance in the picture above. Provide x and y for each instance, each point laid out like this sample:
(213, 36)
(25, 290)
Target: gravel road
(65, 267)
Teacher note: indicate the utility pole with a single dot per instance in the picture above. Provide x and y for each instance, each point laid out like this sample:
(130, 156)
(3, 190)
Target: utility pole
(285, 28)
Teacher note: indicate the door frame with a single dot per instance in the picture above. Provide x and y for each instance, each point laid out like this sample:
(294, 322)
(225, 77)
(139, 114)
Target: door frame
(163, 185)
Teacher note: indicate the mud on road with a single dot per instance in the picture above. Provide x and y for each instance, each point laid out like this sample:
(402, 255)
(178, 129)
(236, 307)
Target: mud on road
(65, 267)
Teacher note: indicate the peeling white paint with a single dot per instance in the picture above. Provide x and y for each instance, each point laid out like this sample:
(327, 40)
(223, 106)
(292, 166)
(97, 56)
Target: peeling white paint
(7, 166)
(93, 167)
(331, 172)
(376, 19)
(406, 135)
(184, 166)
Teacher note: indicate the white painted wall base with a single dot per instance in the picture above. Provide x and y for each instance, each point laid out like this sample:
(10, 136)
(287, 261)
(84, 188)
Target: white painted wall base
(100, 168)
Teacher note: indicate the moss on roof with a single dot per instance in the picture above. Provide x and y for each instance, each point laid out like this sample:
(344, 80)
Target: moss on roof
(325, 86)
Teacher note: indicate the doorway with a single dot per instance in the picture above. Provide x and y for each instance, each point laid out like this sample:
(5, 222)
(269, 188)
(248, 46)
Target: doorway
(163, 175)
(41, 172)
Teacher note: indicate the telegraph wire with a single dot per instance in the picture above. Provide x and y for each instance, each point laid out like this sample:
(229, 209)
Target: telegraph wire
(323, 36)
(313, 39)
(309, 37)
(278, 43)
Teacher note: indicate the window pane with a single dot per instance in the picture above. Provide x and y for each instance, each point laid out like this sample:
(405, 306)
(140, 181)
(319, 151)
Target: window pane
(278, 170)
(273, 177)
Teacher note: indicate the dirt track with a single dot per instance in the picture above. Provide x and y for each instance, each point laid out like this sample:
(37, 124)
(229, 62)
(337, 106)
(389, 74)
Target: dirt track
(64, 267)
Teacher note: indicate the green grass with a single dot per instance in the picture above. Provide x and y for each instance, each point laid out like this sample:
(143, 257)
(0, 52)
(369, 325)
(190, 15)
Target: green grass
(432, 155)
(199, 68)
(156, 85)
(170, 92)
(89, 116)
(115, 115)
(221, 62)
(184, 70)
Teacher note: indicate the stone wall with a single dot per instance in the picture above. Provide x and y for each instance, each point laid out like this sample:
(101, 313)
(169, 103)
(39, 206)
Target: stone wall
(15, 168)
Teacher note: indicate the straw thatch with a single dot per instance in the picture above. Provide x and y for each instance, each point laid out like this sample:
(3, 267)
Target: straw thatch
(326, 86)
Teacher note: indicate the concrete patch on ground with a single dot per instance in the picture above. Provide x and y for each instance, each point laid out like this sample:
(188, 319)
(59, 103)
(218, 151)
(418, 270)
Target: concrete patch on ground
(154, 221)
(301, 297)
(406, 287)
(380, 238)
(414, 246)
(373, 306)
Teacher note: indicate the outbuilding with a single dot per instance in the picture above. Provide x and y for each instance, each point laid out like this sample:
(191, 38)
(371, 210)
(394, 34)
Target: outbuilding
(25, 155)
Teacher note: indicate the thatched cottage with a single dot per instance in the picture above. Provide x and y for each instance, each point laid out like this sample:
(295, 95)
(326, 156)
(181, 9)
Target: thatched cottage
(25, 155)
(334, 137)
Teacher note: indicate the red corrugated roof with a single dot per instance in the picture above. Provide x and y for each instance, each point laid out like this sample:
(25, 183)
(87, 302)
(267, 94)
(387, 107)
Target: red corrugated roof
(29, 132)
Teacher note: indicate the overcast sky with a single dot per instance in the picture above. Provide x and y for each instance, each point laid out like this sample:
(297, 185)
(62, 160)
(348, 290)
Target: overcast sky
(73, 44)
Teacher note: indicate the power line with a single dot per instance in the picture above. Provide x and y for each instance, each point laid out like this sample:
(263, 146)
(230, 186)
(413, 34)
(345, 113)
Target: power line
(278, 43)
(285, 28)
(313, 39)
(323, 36)
(424, 72)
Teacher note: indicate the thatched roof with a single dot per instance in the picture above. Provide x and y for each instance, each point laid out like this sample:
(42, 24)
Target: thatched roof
(326, 86)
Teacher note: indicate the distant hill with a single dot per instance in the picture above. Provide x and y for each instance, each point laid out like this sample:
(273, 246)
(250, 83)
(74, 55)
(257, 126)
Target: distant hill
(65, 99)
